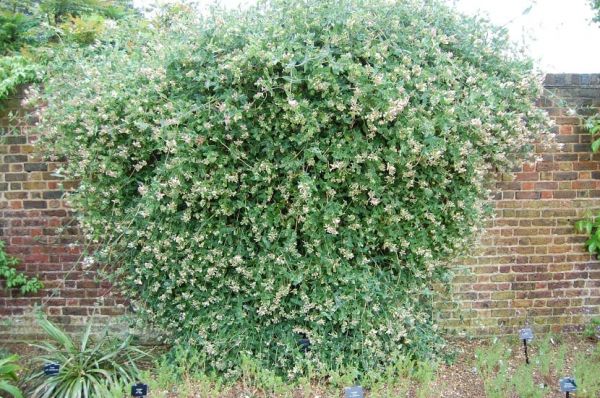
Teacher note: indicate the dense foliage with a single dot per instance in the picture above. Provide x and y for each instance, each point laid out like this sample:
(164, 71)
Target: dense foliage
(295, 170)
(13, 279)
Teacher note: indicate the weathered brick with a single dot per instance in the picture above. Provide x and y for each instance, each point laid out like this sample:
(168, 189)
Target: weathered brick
(564, 175)
(15, 177)
(15, 158)
(35, 204)
(53, 194)
(36, 167)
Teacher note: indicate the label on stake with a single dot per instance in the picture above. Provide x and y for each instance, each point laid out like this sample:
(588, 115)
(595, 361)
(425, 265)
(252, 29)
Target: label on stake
(51, 369)
(526, 334)
(354, 392)
(567, 384)
(139, 390)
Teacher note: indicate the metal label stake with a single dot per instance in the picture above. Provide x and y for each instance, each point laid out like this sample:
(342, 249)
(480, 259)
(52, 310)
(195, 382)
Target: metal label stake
(51, 369)
(139, 390)
(354, 392)
(567, 385)
(526, 334)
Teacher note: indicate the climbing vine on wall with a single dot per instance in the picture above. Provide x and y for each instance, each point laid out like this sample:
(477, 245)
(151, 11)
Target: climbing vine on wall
(13, 279)
(591, 225)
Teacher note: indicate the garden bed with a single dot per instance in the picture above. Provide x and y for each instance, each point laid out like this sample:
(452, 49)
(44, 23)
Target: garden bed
(493, 365)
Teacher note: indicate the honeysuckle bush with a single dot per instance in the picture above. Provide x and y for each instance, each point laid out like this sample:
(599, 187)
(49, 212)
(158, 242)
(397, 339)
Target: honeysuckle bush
(292, 170)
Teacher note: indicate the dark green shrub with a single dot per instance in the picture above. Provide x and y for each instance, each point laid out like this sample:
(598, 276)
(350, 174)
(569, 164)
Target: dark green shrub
(13, 31)
(298, 169)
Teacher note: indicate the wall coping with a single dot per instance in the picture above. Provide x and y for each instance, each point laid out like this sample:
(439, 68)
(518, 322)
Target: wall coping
(591, 80)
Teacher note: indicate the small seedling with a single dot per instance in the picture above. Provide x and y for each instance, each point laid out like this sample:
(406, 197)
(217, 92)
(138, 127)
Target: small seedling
(354, 392)
(51, 369)
(567, 385)
(139, 390)
(526, 334)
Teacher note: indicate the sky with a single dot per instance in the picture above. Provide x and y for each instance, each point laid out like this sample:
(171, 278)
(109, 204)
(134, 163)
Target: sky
(557, 33)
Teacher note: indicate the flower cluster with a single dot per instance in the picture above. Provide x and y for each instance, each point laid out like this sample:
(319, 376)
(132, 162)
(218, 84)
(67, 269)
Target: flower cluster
(294, 170)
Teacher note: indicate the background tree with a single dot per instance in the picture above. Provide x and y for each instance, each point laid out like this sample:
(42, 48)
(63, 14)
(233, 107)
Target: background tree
(29, 28)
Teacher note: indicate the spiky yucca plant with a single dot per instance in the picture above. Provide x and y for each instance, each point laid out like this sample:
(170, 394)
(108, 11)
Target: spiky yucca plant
(89, 368)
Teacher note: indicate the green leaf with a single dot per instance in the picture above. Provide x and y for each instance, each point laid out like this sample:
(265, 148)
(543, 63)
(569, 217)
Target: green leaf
(12, 390)
(592, 246)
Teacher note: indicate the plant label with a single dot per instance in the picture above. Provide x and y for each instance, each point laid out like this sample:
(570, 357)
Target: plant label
(526, 334)
(567, 384)
(304, 345)
(51, 369)
(354, 392)
(139, 390)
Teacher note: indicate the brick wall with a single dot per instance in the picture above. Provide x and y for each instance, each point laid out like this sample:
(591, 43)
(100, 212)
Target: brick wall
(39, 229)
(529, 263)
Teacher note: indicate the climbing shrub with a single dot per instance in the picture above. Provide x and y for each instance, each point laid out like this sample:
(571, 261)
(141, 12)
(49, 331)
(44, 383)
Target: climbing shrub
(296, 170)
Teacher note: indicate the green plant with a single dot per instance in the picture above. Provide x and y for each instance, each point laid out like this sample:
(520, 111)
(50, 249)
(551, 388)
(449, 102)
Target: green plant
(182, 370)
(13, 31)
(90, 367)
(30, 29)
(292, 170)
(550, 356)
(592, 125)
(492, 364)
(14, 279)
(592, 329)
(424, 374)
(15, 71)
(9, 374)
(524, 385)
(59, 11)
(256, 378)
(591, 225)
(85, 29)
(586, 371)
(394, 380)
